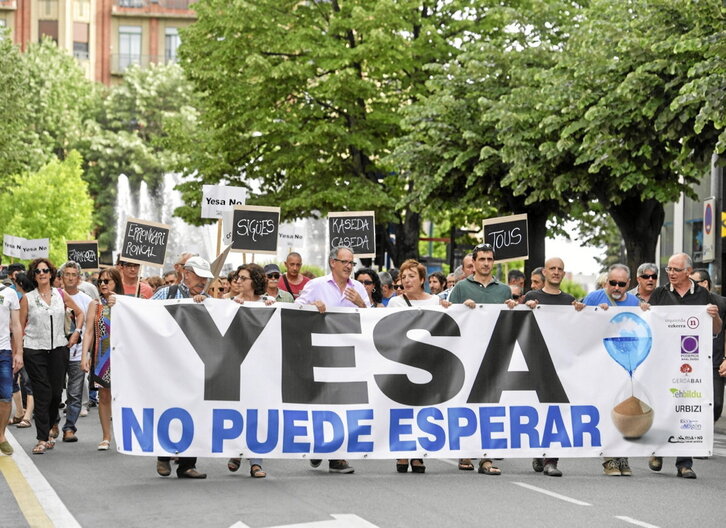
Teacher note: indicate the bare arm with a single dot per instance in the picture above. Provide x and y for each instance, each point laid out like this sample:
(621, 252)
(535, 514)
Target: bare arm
(88, 337)
(17, 343)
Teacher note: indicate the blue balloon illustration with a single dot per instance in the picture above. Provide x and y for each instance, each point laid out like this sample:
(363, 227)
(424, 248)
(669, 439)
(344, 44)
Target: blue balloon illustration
(632, 343)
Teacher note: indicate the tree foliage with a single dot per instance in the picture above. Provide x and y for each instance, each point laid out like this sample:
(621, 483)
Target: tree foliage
(50, 203)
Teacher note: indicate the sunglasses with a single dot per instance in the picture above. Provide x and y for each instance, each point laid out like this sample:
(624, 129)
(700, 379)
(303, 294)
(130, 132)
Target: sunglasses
(618, 283)
(397, 287)
(366, 282)
(273, 276)
(129, 265)
(104, 281)
(169, 283)
(516, 297)
(38, 271)
(216, 289)
(653, 276)
(485, 247)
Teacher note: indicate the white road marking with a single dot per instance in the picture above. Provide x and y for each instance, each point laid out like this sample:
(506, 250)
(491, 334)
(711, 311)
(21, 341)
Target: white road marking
(46, 495)
(339, 520)
(553, 494)
(636, 522)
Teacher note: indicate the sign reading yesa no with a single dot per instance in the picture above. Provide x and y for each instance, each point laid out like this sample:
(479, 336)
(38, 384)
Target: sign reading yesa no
(508, 236)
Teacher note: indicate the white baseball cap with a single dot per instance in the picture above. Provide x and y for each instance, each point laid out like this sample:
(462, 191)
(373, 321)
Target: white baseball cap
(200, 267)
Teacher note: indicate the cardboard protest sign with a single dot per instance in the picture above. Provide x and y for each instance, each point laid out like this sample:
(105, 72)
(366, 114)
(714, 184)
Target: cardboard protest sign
(254, 229)
(290, 237)
(144, 242)
(84, 252)
(216, 199)
(355, 229)
(508, 236)
(25, 249)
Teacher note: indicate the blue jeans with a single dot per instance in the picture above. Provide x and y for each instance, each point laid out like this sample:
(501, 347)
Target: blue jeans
(74, 393)
(6, 376)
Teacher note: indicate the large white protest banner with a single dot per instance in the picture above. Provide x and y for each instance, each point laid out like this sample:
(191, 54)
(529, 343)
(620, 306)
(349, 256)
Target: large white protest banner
(220, 379)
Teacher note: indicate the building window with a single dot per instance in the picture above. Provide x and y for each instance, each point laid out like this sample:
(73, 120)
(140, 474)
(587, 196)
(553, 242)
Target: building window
(129, 46)
(48, 28)
(80, 40)
(82, 8)
(171, 42)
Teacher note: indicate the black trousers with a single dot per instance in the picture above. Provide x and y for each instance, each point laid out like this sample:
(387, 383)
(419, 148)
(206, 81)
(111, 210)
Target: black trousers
(46, 372)
(718, 390)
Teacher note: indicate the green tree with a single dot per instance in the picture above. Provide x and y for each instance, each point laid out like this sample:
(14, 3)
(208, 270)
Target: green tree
(51, 203)
(302, 98)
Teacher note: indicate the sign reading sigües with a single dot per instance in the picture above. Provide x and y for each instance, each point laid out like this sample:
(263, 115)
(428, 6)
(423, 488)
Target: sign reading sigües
(254, 229)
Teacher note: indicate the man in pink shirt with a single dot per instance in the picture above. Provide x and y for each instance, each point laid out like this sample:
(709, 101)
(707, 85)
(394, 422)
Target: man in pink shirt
(335, 289)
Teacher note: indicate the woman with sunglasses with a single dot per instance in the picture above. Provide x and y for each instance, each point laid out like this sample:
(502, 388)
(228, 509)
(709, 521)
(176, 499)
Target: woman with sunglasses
(412, 275)
(96, 358)
(252, 285)
(42, 313)
(372, 283)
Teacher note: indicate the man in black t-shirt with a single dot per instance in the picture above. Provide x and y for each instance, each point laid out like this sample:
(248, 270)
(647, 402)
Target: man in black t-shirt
(682, 290)
(553, 272)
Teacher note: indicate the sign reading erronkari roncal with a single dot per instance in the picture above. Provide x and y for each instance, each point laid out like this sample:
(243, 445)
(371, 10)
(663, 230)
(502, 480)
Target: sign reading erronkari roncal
(84, 252)
(254, 229)
(508, 236)
(145, 242)
(355, 229)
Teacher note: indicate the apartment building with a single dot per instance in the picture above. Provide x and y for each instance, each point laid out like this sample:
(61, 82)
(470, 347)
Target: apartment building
(105, 36)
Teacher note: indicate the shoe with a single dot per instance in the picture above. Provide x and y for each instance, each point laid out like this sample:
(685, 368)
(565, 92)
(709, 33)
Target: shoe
(625, 467)
(23, 424)
(686, 472)
(16, 420)
(54, 431)
(192, 473)
(256, 471)
(655, 463)
(340, 466)
(400, 467)
(486, 467)
(465, 464)
(417, 468)
(84, 412)
(69, 436)
(104, 445)
(551, 470)
(233, 464)
(163, 468)
(538, 464)
(315, 462)
(611, 468)
(6, 449)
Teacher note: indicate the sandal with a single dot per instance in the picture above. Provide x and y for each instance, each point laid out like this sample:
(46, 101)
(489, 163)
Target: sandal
(16, 420)
(50, 444)
(486, 468)
(233, 464)
(23, 424)
(39, 448)
(417, 467)
(256, 471)
(104, 445)
(465, 464)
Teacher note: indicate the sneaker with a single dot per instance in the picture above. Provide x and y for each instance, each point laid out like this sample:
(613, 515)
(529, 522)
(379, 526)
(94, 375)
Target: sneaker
(551, 470)
(84, 412)
(538, 464)
(315, 462)
(339, 466)
(191, 473)
(625, 467)
(655, 463)
(611, 468)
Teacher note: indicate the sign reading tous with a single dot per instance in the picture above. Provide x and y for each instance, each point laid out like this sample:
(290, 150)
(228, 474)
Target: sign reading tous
(355, 229)
(84, 252)
(254, 229)
(216, 199)
(508, 236)
(144, 242)
(25, 249)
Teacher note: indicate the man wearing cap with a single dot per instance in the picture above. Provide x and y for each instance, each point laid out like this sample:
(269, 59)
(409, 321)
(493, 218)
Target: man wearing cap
(293, 281)
(195, 273)
(131, 282)
(272, 271)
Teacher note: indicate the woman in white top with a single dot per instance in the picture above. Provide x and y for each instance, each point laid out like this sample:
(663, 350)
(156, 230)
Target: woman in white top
(42, 312)
(412, 275)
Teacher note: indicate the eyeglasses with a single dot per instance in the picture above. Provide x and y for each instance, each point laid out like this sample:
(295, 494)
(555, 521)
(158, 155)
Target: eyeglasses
(515, 296)
(241, 278)
(671, 269)
(216, 289)
(275, 276)
(104, 281)
(618, 283)
(366, 282)
(344, 262)
(38, 271)
(129, 265)
(397, 287)
(653, 276)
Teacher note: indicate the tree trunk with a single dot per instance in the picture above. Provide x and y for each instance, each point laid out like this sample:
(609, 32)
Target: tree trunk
(537, 223)
(407, 235)
(640, 223)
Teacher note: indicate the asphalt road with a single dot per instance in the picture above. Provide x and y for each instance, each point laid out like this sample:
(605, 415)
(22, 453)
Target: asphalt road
(76, 485)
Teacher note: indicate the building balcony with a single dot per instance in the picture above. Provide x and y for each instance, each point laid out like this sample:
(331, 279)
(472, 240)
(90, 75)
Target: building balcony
(120, 61)
(152, 5)
(8, 5)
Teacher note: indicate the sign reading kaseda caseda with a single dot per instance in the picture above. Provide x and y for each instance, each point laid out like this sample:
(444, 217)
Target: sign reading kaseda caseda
(354, 229)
